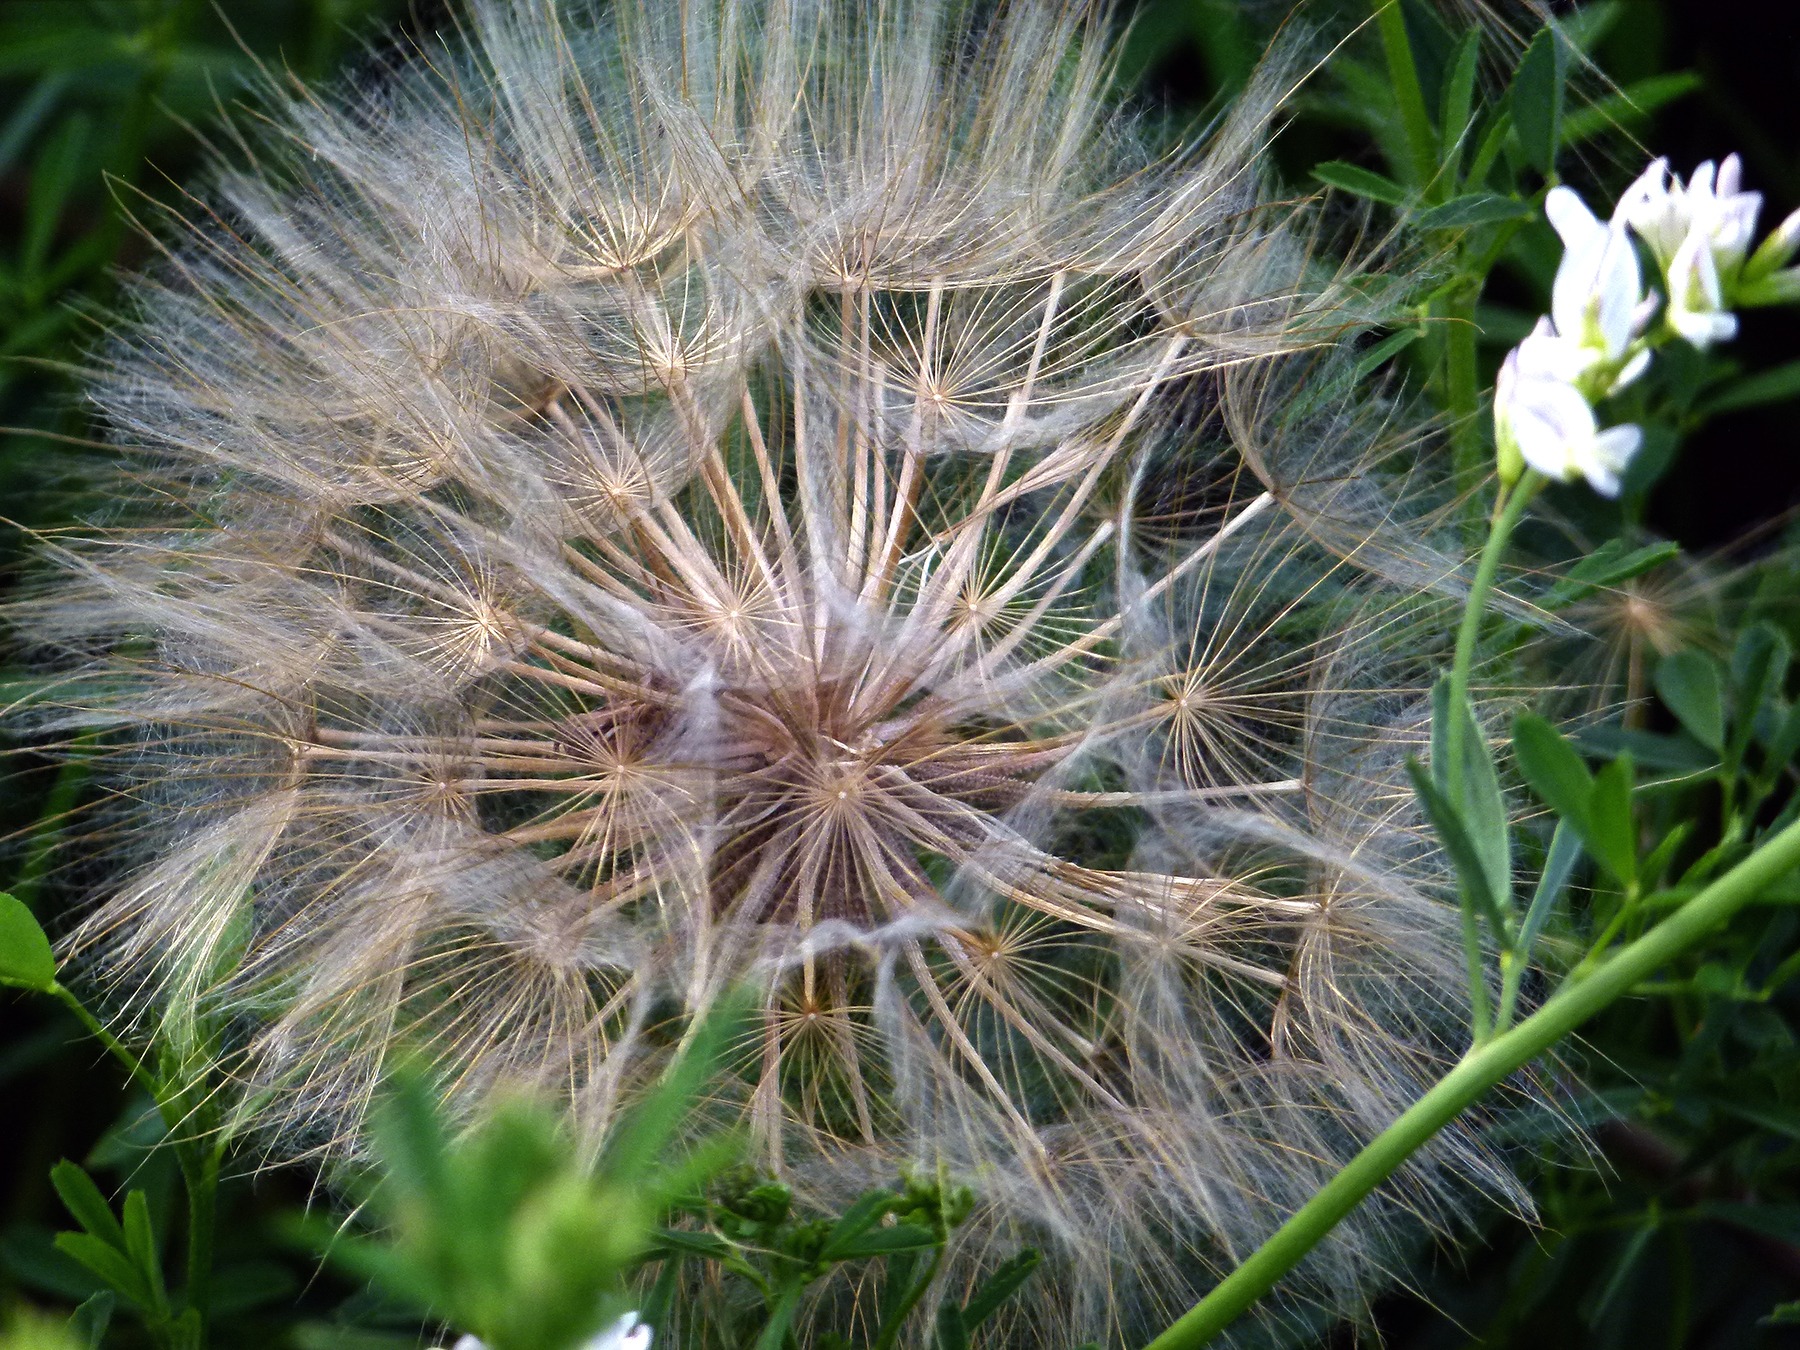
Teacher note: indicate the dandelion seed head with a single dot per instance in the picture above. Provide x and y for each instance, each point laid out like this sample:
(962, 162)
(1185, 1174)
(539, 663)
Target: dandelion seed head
(796, 493)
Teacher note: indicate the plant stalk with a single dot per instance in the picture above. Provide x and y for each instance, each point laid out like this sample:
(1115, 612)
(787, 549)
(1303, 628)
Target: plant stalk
(202, 1182)
(1479, 1070)
(1509, 505)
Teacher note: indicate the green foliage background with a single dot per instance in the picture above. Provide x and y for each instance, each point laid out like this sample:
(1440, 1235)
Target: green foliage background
(1688, 1232)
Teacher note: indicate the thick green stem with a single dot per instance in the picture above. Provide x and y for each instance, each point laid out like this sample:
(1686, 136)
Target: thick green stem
(201, 1176)
(1473, 1075)
(1409, 94)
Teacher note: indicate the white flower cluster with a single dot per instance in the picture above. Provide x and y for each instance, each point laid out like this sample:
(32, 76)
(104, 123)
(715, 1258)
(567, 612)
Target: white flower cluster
(625, 1334)
(1596, 338)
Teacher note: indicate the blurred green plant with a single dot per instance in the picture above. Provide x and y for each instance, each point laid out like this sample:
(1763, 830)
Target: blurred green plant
(501, 1230)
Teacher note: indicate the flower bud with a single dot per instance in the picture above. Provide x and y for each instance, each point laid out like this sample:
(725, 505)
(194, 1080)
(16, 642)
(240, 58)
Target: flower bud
(1776, 251)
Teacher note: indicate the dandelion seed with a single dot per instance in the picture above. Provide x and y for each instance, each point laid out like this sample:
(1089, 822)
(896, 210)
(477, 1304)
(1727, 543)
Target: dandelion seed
(794, 493)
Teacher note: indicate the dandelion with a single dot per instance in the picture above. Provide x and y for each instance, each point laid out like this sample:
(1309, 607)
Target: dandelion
(799, 494)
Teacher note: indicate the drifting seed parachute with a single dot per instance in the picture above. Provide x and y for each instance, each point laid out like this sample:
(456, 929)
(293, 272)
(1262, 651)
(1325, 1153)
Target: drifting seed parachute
(640, 500)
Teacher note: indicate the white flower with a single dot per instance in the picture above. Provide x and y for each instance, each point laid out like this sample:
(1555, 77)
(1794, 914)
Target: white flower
(1548, 423)
(1597, 300)
(1666, 213)
(625, 1334)
(1547, 354)
(1696, 298)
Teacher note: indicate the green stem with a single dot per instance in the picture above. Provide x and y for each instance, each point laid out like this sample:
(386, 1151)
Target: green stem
(1421, 140)
(1628, 903)
(134, 1067)
(203, 1208)
(1509, 505)
(1474, 1074)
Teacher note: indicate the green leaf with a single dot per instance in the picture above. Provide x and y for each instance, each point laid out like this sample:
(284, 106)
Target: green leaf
(1008, 1276)
(1553, 768)
(864, 1214)
(775, 1332)
(1783, 1315)
(1594, 1309)
(84, 1200)
(1781, 1222)
(1536, 101)
(109, 1263)
(951, 1333)
(1346, 376)
(1759, 671)
(29, 1256)
(1475, 208)
(1660, 857)
(1612, 834)
(55, 173)
(1677, 752)
(1768, 386)
(88, 1323)
(901, 1237)
(1459, 94)
(661, 1298)
(1586, 25)
(1382, 352)
(1691, 685)
(1471, 876)
(1493, 139)
(184, 1332)
(1472, 790)
(1635, 100)
(21, 128)
(1612, 563)
(1360, 182)
(1784, 743)
(678, 1241)
(140, 1244)
(1771, 288)
(653, 1123)
(249, 1285)
(410, 1139)
(1559, 862)
(26, 960)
